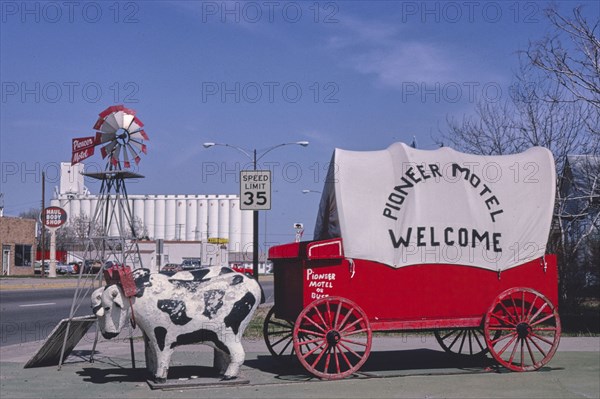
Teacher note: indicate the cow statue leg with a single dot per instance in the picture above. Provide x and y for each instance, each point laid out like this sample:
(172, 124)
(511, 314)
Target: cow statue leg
(150, 353)
(163, 359)
(221, 361)
(236, 359)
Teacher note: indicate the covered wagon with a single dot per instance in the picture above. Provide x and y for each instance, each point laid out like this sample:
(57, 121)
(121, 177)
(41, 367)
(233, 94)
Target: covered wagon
(414, 240)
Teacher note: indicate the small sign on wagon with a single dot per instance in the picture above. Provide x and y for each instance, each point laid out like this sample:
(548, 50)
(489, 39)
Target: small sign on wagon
(255, 190)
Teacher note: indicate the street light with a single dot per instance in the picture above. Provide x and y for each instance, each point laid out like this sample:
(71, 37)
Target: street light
(254, 157)
(310, 191)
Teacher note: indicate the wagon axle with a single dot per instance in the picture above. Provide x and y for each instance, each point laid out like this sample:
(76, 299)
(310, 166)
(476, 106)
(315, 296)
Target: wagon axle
(333, 337)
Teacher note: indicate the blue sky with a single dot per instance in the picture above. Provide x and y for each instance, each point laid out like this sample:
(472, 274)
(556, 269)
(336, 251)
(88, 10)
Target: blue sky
(351, 74)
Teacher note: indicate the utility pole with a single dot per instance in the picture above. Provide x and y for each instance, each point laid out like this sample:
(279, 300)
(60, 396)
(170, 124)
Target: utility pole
(43, 221)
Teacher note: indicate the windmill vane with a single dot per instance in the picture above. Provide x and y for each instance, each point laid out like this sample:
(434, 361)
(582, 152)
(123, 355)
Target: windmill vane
(121, 135)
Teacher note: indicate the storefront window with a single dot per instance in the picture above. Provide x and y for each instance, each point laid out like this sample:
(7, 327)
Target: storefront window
(22, 255)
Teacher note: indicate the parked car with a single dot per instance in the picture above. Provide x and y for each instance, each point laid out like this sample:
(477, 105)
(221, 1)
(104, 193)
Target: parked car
(243, 268)
(91, 266)
(171, 268)
(62, 268)
(189, 264)
(37, 267)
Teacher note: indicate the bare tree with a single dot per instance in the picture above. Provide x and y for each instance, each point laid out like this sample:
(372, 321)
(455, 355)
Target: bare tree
(576, 69)
(555, 103)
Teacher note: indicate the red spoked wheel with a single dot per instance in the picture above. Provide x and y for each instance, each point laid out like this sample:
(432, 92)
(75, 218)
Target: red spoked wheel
(462, 341)
(278, 336)
(332, 338)
(522, 329)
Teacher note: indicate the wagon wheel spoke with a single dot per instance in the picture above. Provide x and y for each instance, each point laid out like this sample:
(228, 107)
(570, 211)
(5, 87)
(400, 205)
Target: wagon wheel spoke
(321, 354)
(328, 356)
(503, 337)
(346, 357)
(311, 341)
(462, 342)
(540, 310)
(541, 338)
(537, 346)
(515, 307)
(351, 341)
(529, 350)
(507, 312)
(314, 324)
(514, 350)
(455, 339)
(477, 339)
(276, 323)
(349, 326)
(346, 317)
(528, 318)
(287, 336)
(548, 317)
(501, 351)
(503, 320)
(349, 349)
(318, 312)
(354, 332)
(449, 334)
(313, 350)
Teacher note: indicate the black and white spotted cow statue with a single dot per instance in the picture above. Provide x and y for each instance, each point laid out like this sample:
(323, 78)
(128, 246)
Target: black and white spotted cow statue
(212, 306)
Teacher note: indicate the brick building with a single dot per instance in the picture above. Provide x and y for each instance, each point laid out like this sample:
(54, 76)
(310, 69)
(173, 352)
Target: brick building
(17, 240)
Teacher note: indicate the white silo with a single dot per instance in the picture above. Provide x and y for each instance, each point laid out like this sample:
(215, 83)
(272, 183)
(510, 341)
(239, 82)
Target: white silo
(202, 219)
(213, 217)
(180, 211)
(191, 216)
(159, 217)
(85, 207)
(138, 209)
(235, 226)
(247, 232)
(170, 217)
(224, 217)
(149, 216)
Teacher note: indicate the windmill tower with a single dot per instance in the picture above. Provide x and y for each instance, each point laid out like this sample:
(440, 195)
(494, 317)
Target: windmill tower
(111, 234)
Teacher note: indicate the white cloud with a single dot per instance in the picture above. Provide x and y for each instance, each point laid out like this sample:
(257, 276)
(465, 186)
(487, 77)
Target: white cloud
(395, 57)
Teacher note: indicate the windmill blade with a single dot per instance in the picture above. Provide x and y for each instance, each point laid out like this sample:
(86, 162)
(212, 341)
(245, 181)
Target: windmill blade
(140, 146)
(126, 162)
(108, 149)
(110, 110)
(105, 138)
(123, 119)
(135, 155)
(115, 155)
(105, 127)
(140, 134)
(111, 119)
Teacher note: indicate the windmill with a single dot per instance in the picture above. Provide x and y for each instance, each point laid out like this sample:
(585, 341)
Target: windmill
(111, 235)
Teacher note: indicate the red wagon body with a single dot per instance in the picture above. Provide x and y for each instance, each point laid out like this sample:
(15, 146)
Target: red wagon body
(458, 303)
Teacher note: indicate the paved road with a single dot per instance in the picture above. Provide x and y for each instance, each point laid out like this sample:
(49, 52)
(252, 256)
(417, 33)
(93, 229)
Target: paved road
(30, 315)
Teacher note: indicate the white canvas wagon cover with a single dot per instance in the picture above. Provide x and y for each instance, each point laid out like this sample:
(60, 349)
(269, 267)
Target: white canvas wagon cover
(403, 206)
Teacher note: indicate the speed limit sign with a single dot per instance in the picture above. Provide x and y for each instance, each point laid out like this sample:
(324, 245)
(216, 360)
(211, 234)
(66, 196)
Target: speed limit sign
(255, 190)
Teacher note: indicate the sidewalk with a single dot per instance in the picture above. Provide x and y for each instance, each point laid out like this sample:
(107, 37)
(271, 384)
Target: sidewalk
(404, 366)
(37, 282)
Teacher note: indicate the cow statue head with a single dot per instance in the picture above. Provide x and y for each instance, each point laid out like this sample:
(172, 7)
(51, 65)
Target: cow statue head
(112, 308)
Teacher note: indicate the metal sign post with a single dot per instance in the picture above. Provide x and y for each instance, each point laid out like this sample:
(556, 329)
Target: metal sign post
(53, 218)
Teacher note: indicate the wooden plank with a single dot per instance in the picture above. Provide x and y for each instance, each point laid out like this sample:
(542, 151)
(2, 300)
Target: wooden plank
(49, 352)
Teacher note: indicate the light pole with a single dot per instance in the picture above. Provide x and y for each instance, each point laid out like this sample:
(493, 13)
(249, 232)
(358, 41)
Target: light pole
(254, 157)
